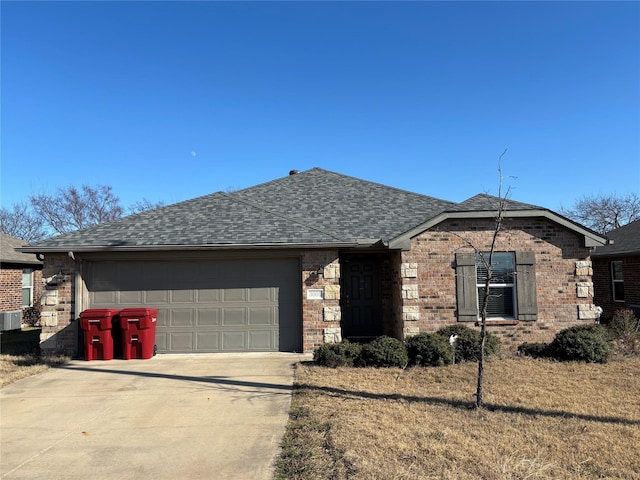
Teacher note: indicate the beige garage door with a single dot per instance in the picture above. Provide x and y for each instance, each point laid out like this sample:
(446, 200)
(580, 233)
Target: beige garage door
(208, 306)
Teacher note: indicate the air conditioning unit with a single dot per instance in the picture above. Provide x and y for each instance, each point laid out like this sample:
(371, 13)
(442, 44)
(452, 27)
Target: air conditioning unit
(11, 320)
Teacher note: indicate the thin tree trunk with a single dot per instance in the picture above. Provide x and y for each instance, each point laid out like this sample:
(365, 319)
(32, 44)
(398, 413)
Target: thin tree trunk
(483, 336)
(483, 330)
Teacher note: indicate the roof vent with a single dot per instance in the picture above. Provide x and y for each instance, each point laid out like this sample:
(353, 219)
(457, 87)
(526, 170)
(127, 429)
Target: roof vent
(293, 172)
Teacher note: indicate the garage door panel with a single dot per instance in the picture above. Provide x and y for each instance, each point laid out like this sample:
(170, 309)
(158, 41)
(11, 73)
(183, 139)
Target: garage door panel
(154, 297)
(161, 341)
(261, 295)
(260, 340)
(208, 317)
(181, 342)
(104, 298)
(182, 296)
(162, 320)
(207, 306)
(207, 295)
(132, 298)
(208, 341)
(182, 317)
(234, 295)
(233, 341)
(234, 316)
(262, 316)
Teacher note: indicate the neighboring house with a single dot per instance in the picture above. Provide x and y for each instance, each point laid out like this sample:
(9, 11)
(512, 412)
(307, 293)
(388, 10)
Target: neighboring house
(20, 276)
(616, 270)
(316, 257)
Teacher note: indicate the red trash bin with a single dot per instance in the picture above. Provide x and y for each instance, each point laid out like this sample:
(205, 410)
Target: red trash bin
(138, 332)
(97, 325)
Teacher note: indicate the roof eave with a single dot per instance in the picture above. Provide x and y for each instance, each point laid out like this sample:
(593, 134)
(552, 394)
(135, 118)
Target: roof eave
(9, 261)
(591, 239)
(621, 253)
(215, 246)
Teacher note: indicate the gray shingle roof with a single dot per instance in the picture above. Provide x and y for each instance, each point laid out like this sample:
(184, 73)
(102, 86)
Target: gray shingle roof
(484, 202)
(347, 207)
(315, 207)
(626, 241)
(8, 254)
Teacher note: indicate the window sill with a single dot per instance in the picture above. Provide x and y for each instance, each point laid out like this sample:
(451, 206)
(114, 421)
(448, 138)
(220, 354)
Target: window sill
(498, 323)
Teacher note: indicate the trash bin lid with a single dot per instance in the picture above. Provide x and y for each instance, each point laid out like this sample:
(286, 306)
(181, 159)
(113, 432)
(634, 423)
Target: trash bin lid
(99, 313)
(138, 312)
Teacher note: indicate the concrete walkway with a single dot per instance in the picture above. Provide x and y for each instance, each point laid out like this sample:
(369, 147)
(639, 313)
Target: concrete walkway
(203, 416)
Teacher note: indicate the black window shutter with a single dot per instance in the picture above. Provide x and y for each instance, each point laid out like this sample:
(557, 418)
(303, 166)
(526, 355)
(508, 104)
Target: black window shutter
(466, 285)
(526, 286)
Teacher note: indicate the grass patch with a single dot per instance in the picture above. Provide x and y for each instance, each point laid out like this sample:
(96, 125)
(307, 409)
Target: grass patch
(544, 419)
(20, 358)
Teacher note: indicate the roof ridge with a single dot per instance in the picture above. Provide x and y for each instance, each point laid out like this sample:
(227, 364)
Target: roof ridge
(388, 187)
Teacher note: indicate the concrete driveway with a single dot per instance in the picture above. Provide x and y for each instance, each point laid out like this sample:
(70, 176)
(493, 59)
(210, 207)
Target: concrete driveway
(205, 416)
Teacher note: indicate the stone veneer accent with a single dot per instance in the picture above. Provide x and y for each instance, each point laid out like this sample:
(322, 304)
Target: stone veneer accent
(585, 289)
(409, 270)
(58, 333)
(410, 313)
(332, 335)
(584, 269)
(410, 331)
(332, 314)
(50, 298)
(332, 292)
(409, 291)
(587, 311)
(321, 318)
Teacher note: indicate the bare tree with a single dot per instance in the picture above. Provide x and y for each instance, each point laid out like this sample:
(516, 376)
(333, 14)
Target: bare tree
(73, 209)
(604, 213)
(20, 222)
(144, 205)
(486, 260)
(486, 295)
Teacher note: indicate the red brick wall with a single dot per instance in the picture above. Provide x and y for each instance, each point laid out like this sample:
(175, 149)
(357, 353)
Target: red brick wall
(603, 288)
(58, 311)
(11, 287)
(556, 251)
(314, 263)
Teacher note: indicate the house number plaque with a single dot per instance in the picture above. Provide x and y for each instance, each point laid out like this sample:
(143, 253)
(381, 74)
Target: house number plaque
(314, 294)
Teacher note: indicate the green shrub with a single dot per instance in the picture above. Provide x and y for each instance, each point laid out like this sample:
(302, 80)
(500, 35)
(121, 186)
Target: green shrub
(383, 352)
(429, 350)
(625, 330)
(467, 345)
(335, 355)
(583, 343)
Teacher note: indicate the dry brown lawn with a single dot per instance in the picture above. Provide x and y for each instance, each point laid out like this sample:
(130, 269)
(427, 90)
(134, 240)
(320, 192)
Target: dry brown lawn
(17, 367)
(19, 355)
(543, 419)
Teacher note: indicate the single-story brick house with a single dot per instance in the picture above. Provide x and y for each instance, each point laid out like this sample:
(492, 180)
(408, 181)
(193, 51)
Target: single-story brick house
(616, 270)
(315, 257)
(20, 276)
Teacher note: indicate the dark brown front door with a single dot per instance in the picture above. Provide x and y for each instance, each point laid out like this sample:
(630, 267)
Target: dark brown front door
(360, 298)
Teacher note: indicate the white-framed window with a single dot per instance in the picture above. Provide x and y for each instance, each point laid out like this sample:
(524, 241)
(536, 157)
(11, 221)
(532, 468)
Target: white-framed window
(27, 287)
(502, 289)
(617, 281)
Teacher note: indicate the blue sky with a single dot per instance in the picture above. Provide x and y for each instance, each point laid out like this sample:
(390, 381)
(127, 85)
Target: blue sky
(173, 100)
